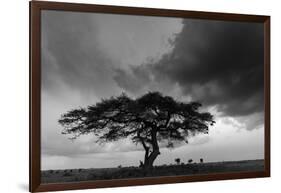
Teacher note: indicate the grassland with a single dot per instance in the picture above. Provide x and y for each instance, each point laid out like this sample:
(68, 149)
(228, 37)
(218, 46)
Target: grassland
(75, 175)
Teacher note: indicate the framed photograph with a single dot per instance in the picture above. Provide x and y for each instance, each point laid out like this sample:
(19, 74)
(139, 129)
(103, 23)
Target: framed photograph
(123, 96)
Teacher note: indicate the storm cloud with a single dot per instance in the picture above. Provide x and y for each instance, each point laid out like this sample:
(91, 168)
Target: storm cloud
(82, 51)
(215, 62)
(72, 55)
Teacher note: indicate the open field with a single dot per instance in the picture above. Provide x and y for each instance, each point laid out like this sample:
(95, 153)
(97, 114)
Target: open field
(74, 175)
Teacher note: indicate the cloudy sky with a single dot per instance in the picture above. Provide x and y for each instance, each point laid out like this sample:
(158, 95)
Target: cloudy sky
(88, 56)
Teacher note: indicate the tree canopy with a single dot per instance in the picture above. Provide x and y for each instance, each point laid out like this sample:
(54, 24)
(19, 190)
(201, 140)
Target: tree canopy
(147, 120)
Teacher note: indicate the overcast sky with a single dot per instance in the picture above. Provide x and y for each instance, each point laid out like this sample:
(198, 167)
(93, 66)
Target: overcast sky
(87, 57)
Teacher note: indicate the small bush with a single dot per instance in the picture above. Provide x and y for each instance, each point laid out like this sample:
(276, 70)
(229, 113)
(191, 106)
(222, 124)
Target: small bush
(178, 160)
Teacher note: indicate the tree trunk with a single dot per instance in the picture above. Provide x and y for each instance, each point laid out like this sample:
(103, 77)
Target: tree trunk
(150, 158)
(148, 163)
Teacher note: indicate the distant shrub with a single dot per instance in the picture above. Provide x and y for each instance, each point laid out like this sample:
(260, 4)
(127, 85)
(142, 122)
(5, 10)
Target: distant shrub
(51, 171)
(141, 164)
(190, 161)
(120, 166)
(178, 160)
(80, 170)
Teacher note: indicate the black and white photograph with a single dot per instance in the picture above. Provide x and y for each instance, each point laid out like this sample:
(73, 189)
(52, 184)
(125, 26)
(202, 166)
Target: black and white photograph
(133, 96)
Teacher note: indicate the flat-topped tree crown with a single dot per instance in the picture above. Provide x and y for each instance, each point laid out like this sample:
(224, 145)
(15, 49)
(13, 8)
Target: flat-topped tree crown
(148, 120)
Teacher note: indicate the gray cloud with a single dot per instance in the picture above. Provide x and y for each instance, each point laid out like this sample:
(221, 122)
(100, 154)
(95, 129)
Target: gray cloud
(82, 50)
(72, 55)
(83, 145)
(216, 62)
(219, 63)
(135, 80)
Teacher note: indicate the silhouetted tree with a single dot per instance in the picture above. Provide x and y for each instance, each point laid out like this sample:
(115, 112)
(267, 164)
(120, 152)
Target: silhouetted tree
(147, 120)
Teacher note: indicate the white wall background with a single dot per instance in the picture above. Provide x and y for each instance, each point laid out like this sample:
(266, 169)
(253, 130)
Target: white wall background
(14, 95)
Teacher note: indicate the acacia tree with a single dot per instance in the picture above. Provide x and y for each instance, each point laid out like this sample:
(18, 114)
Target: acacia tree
(148, 120)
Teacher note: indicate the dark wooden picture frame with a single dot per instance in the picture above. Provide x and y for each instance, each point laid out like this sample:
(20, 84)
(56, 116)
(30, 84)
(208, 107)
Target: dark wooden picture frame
(35, 94)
